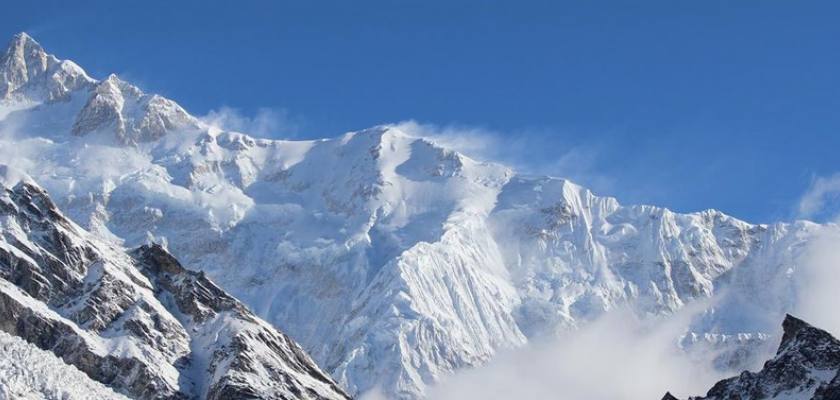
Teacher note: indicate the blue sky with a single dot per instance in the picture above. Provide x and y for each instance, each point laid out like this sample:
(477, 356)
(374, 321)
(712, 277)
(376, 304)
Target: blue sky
(686, 104)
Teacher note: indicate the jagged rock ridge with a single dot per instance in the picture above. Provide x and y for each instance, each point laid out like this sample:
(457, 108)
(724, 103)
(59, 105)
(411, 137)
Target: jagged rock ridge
(806, 367)
(139, 322)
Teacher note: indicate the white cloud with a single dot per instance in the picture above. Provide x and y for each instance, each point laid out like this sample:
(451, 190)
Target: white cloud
(818, 282)
(618, 357)
(475, 142)
(374, 394)
(818, 279)
(266, 122)
(819, 196)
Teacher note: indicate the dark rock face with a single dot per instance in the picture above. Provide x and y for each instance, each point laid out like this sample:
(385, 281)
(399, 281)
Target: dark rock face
(831, 391)
(806, 366)
(59, 292)
(258, 348)
(137, 321)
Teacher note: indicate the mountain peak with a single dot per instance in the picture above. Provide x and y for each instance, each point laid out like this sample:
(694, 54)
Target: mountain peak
(791, 326)
(27, 72)
(22, 36)
(22, 41)
(23, 52)
(806, 366)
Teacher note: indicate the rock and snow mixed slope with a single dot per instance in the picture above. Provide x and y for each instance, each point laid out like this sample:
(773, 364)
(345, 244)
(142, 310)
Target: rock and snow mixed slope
(138, 322)
(806, 367)
(392, 260)
(29, 373)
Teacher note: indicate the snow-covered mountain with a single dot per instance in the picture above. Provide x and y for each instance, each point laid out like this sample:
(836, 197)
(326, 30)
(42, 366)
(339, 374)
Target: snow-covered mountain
(392, 260)
(806, 367)
(138, 322)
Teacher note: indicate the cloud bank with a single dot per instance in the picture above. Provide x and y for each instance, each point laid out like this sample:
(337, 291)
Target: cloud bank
(618, 357)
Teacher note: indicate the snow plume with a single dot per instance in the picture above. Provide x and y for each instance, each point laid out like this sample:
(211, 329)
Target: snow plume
(265, 123)
(818, 281)
(475, 142)
(818, 286)
(16, 150)
(529, 152)
(824, 191)
(618, 357)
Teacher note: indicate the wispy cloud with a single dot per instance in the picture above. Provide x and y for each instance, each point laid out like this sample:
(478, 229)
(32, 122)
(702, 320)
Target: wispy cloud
(539, 153)
(265, 122)
(820, 199)
(819, 276)
(818, 282)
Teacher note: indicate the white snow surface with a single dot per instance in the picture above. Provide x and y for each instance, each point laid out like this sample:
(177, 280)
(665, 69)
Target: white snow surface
(29, 373)
(392, 260)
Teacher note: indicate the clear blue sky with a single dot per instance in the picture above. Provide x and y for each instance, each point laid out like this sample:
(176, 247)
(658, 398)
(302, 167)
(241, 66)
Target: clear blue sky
(687, 104)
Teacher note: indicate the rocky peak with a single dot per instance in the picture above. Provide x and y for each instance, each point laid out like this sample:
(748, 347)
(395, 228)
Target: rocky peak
(791, 327)
(118, 107)
(194, 294)
(23, 60)
(30, 75)
(28, 72)
(806, 366)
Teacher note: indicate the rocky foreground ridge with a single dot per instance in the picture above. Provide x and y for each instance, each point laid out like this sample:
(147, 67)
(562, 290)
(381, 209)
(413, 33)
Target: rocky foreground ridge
(136, 321)
(806, 367)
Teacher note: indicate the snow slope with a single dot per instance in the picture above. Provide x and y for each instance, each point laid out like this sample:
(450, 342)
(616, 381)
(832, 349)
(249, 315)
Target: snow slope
(392, 260)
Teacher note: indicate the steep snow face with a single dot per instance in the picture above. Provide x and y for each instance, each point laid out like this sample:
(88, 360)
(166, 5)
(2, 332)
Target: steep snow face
(29, 373)
(137, 322)
(806, 366)
(574, 255)
(393, 261)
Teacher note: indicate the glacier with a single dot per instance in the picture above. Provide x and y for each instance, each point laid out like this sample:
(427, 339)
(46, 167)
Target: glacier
(392, 259)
